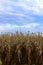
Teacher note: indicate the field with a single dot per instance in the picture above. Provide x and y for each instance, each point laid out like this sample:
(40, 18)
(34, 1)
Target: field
(21, 49)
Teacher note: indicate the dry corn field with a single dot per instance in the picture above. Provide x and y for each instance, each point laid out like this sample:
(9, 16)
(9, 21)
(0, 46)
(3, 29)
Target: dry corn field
(20, 49)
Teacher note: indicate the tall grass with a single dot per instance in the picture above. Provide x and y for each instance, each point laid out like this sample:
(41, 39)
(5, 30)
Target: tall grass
(21, 49)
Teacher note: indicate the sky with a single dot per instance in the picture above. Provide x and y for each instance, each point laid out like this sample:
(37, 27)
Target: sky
(21, 15)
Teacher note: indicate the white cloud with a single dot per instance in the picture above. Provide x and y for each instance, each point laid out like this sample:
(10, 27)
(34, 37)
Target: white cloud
(19, 14)
(16, 14)
(40, 3)
(5, 27)
(7, 6)
(31, 25)
(9, 27)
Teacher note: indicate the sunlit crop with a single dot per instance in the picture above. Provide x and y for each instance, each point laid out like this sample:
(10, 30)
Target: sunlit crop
(21, 49)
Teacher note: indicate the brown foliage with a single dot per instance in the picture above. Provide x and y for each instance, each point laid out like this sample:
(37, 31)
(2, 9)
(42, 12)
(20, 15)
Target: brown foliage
(20, 49)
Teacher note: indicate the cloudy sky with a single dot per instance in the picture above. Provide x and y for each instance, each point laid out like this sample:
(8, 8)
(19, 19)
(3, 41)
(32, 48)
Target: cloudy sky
(21, 15)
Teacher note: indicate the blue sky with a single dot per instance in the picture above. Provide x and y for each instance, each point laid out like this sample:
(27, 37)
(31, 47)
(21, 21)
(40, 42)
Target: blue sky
(21, 15)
